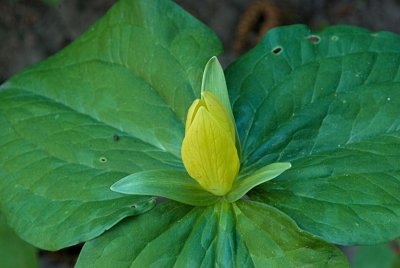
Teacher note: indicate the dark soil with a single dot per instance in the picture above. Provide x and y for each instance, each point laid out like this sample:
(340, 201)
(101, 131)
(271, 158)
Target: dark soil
(30, 31)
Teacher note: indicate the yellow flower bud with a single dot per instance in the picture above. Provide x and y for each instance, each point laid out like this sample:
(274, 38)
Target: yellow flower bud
(208, 149)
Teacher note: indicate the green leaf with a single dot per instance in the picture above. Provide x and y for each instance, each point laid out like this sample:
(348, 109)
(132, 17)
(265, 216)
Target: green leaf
(377, 256)
(242, 234)
(13, 251)
(111, 104)
(328, 103)
(175, 185)
(267, 173)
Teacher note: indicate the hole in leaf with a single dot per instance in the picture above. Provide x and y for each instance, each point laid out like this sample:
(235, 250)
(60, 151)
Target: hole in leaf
(133, 206)
(103, 159)
(315, 39)
(277, 50)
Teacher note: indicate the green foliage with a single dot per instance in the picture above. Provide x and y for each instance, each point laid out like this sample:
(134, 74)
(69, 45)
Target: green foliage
(331, 109)
(114, 103)
(13, 251)
(241, 234)
(134, 75)
(377, 256)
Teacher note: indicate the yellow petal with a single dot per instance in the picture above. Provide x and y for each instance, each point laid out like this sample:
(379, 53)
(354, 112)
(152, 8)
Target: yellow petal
(219, 112)
(208, 150)
(192, 112)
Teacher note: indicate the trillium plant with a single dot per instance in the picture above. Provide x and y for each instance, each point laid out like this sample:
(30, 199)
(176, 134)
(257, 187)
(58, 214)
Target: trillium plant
(135, 141)
(209, 154)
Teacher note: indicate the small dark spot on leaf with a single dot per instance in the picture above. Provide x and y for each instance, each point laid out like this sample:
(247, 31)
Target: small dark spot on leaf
(277, 50)
(116, 137)
(103, 159)
(315, 39)
(133, 206)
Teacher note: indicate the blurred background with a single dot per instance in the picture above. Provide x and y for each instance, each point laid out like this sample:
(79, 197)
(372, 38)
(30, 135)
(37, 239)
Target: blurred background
(31, 30)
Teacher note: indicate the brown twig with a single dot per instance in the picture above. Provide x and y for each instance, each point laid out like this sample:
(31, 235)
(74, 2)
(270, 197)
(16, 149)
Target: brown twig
(257, 19)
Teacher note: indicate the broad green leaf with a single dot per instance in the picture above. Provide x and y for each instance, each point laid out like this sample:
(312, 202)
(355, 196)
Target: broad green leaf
(174, 185)
(329, 105)
(242, 234)
(13, 251)
(267, 173)
(110, 104)
(377, 256)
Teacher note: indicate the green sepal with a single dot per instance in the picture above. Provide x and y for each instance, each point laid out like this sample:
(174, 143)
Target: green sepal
(174, 185)
(242, 186)
(214, 82)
